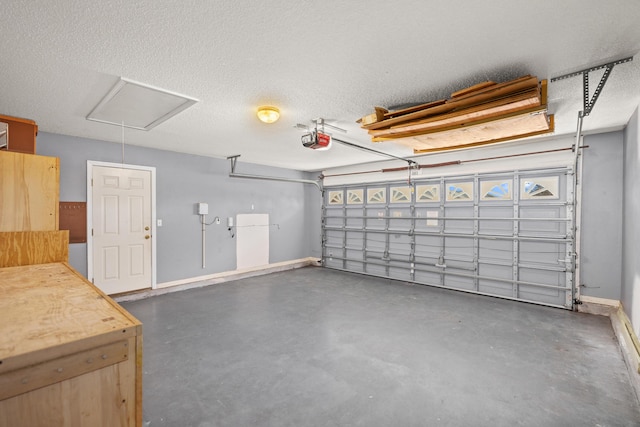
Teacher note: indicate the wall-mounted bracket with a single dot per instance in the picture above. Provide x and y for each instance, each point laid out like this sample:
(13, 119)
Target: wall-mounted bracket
(586, 102)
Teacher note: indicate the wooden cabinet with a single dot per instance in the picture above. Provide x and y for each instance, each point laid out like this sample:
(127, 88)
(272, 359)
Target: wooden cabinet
(22, 134)
(29, 192)
(69, 355)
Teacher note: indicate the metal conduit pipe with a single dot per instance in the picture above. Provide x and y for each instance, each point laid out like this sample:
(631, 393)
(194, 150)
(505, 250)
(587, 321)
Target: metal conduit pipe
(233, 174)
(276, 178)
(451, 163)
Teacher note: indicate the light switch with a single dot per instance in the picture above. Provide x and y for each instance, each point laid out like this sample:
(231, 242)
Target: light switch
(159, 223)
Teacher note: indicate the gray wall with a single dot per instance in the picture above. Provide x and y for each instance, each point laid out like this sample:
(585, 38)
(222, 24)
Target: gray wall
(181, 181)
(631, 224)
(601, 254)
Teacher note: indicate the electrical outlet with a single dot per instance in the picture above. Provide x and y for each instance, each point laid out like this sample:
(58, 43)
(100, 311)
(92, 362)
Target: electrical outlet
(217, 221)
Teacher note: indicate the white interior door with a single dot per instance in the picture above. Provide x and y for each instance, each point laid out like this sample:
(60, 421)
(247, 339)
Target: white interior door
(121, 229)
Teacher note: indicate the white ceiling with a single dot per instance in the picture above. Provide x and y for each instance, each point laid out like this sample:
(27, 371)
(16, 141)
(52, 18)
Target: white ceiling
(330, 59)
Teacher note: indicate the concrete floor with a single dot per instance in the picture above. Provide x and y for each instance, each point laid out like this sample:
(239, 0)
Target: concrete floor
(316, 347)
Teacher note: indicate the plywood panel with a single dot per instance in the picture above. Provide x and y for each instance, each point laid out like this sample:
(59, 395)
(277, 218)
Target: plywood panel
(54, 325)
(29, 192)
(474, 98)
(33, 247)
(51, 311)
(518, 126)
(490, 110)
(105, 397)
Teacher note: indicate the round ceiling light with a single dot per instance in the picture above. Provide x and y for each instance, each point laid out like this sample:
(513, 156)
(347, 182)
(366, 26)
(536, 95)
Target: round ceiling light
(268, 114)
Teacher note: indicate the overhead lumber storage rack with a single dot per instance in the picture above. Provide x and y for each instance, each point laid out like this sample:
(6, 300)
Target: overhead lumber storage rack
(485, 113)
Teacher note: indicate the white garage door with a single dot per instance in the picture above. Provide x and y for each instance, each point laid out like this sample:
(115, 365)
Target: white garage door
(503, 234)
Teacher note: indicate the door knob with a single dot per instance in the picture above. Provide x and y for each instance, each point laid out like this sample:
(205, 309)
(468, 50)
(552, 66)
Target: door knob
(147, 237)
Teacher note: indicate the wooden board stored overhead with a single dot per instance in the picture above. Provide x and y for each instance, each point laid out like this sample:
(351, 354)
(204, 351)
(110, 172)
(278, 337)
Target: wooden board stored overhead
(484, 113)
(489, 110)
(468, 100)
(487, 132)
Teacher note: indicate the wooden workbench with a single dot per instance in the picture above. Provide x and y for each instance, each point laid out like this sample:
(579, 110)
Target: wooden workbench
(69, 355)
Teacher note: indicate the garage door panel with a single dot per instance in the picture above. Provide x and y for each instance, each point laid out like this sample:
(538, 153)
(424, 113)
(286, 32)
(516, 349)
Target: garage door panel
(376, 270)
(496, 271)
(543, 253)
(400, 243)
(458, 225)
(376, 242)
(427, 277)
(375, 217)
(494, 287)
(495, 250)
(458, 282)
(421, 261)
(400, 273)
(544, 277)
(332, 262)
(502, 234)
(427, 219)
(455, 247)
(542, 295)
(555, 226)
(333, 221)
(353, 239)
(355, 266)
(400, 218)
(427, 245)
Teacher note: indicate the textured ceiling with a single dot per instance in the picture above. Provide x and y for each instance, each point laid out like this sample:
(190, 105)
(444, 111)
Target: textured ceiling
(330, 59)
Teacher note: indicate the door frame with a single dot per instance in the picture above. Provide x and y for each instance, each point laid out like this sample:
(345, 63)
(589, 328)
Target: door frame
(90, 165)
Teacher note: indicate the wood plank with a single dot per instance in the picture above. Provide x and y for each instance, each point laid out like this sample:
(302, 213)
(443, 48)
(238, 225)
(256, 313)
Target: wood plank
(473, 88)
(49, 310)
(29, 192)
(101, 398)
(528, 79)
(543, 91)
(514, 126)
(396, 113)
(494, 141)
(488, 110)
(33, 247)
(63, 368)
(377, 116)
(464, 102)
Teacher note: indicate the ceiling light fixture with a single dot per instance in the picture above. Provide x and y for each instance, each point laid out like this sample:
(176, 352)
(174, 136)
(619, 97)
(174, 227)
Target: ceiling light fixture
(268, 114)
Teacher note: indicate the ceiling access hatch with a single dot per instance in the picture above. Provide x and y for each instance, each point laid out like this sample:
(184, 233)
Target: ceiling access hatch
(138, 106)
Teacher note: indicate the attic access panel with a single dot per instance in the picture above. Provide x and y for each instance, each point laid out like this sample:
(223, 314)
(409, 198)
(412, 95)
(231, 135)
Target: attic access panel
(138, 106)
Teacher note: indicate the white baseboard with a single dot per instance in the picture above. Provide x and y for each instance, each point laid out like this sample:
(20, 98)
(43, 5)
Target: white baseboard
(599, 306)
(212, 279)
(629, 345)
